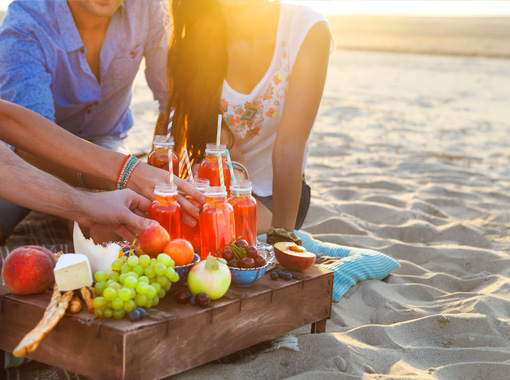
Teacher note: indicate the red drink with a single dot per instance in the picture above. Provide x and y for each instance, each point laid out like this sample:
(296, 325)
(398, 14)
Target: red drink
(245, 211)
(158, 156)
(209, 168)
(192, 234)
(216, 222)
(166, 210)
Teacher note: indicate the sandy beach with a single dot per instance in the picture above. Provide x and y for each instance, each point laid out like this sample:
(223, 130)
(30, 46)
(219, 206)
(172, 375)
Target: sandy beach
(409, 157)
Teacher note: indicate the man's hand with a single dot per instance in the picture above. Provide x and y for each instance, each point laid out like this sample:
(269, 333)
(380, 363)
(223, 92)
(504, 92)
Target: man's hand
(122, 211)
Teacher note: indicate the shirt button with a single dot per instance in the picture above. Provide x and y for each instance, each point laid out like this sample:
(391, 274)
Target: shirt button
(80, 132)
(95, 103)
(82, 50)
(89, 111)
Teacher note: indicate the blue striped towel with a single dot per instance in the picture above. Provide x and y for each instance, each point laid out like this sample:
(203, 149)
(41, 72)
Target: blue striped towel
(357, 264)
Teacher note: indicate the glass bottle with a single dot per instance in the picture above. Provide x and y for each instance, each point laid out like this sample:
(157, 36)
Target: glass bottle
(216, 222)
(245, 211)
(192, 234)
(166, 210)
(209, 168)
(158, 156)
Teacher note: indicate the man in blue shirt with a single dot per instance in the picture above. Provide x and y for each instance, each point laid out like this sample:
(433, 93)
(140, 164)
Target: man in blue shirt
(74, 62)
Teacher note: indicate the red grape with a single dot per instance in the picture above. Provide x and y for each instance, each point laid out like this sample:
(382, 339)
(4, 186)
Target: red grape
(242, 243)
(227, 254)
(234, 263)
(202, 300)
(247, 262)
(183, 297)
(260, 261)
(251, 252)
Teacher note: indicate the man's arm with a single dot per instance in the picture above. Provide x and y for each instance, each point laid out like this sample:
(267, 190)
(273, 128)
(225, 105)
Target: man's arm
(28, 186)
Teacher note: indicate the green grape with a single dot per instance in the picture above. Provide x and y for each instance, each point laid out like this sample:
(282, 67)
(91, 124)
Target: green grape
(153, 262)
(169, 273)
(117, 304)
(156, 286)
(133, 261)
(163, 258)
(130, 282)
(117, 264)
(144, 260)
(100, 287)
(98, 313)
(110, 294)
(99, 303)
(171, 264)
(162, 280)
(155, 301)
(140, 300)
(107, 313)
(119, 314)
(113, 275)
(142, 288)
(133, 274)
(129, 306)
(114, 285)
(123, 258)
(149, 271)
(144, 279)
(133, 293)
(151, 291)
(125, 294)
(148, 303)
(122, 277)
(168, 285)
(161, 293)
(125, 268)
(100, 276)
(175, 277)
(159, 269)
(138, 270)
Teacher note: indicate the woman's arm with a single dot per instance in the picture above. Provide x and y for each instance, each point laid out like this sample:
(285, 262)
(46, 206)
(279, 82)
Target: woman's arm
(301, 106)
(28, 186)
(33, 133)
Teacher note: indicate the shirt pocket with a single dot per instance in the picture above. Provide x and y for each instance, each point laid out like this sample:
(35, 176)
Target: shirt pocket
(126, 63)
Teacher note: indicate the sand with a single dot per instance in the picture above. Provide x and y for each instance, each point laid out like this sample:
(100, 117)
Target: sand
(409, 157)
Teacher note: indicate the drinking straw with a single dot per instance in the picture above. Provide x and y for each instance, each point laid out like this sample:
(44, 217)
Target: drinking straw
(171, 166)
(218, 132)
(188, 165)
(170, 122)
(220, 166)
(231, 169)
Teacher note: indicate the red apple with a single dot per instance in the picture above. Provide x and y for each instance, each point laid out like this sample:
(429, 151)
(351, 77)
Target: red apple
(153, 240)
(28, 270)
(293, 256)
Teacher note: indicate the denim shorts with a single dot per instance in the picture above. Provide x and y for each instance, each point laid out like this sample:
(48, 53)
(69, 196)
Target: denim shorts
(304, 203)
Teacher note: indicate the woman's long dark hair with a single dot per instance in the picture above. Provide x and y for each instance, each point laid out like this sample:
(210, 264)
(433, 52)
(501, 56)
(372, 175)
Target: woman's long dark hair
(196, 67)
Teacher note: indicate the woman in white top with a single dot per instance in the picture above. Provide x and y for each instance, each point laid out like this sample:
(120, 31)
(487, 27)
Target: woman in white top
(262, 64)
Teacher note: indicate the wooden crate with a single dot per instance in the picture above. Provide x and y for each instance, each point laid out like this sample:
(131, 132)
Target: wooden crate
(174, 337)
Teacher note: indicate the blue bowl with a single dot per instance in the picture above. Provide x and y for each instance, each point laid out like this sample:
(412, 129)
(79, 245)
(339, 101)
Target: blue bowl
(183, 271)
(247, 276)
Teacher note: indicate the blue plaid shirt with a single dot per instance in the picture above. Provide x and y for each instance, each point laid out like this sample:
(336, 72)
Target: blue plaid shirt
(43, 65)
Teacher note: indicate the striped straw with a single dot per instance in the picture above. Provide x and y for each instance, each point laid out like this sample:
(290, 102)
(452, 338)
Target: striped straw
(220, 166)
(231, 169)
(170, 122)
(188, 165)
(171, 166)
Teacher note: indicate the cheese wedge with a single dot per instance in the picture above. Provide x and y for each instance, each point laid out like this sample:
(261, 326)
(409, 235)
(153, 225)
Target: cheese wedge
(72, 272)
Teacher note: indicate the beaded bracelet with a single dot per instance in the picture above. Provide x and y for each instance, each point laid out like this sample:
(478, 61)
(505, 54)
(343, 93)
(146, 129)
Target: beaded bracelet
(127, 167)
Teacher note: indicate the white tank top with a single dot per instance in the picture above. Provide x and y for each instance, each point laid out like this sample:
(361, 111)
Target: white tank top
(254, 118)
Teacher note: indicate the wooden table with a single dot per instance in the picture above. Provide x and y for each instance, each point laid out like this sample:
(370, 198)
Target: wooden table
(174, 337)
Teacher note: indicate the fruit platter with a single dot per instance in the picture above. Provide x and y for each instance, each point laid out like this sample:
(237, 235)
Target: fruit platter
(114, 303)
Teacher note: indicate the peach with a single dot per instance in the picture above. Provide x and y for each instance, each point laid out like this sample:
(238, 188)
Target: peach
(293, 256)
(153, 240)
(28, 270)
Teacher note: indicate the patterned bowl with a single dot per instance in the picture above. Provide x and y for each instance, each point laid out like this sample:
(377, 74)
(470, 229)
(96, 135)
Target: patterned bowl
(247, 276)
(183, 271)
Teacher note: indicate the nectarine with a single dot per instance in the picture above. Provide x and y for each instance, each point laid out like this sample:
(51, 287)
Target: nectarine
(28, 270)
(153, 240)
(293, 256)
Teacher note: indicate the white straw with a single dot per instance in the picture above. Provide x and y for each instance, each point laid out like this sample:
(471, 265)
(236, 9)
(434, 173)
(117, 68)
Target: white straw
(171, 166)
(218, 132)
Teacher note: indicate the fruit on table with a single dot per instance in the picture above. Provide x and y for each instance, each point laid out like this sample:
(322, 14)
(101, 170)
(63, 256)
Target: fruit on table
(153, 240)
(100, 258)
(181, 251)
(210, 276)
(293, 256)
(242, 255)
(28, 270)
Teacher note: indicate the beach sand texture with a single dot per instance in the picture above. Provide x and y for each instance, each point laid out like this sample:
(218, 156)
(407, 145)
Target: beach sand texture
(409, 157)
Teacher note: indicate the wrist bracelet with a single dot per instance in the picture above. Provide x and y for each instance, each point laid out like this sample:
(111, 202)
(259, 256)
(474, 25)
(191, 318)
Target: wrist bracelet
(82, 181)
(128, 165)
(242, 168)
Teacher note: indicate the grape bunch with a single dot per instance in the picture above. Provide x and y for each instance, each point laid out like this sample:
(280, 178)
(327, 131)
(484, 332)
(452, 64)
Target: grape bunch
(134, 282)
(242, 255)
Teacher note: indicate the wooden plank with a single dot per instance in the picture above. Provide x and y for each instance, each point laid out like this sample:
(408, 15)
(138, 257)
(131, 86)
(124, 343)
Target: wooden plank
(212, 333)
